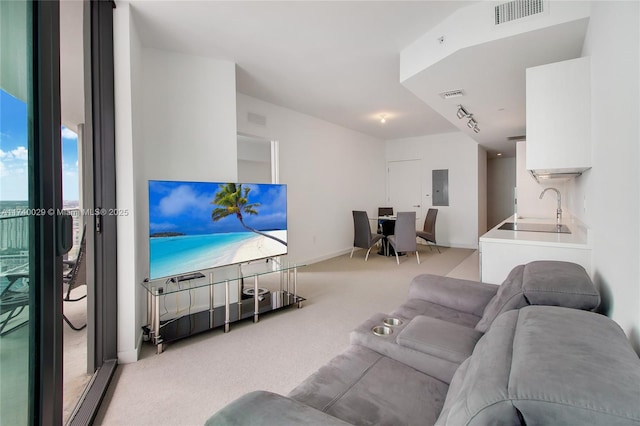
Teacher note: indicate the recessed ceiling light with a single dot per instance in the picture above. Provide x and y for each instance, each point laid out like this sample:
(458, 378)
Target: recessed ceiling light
(383, 118)
(499, 154)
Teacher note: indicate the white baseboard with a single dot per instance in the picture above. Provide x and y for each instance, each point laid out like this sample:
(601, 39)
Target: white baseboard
(464, 246)
(133, 355)
(453, 245)
(348, 250)
(326, 256)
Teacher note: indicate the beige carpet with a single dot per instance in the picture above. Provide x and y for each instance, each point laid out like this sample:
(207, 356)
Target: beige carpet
(194, 377)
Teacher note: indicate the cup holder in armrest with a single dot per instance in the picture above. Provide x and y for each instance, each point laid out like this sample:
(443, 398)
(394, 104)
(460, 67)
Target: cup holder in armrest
(387, 327)
(382, 330)
(392, 322)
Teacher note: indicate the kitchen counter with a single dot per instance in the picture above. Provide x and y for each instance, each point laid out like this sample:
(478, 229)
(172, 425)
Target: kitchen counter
(501, 250)
(578, 238)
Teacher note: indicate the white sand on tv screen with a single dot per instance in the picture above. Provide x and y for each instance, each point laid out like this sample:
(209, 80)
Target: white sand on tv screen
(260, 247)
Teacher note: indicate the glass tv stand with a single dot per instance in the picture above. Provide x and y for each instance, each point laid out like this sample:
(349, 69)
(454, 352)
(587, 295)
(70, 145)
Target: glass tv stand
(160, 331)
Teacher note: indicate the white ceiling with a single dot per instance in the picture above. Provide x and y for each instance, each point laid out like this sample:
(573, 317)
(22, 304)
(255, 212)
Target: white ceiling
(339, 61)
(493, 78)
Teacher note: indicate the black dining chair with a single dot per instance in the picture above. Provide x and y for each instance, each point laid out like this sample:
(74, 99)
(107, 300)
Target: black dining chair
(363, 238)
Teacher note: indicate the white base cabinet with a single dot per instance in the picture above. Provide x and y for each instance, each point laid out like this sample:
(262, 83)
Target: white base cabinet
(501, 250)
(497, 259)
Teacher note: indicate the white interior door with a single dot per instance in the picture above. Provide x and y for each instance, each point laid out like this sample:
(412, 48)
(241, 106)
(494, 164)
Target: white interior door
(404, 187)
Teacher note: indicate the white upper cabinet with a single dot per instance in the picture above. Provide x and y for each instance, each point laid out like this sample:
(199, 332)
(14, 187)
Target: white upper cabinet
(559, 118)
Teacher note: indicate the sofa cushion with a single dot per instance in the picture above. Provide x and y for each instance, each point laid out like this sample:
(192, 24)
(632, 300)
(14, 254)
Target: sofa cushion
(547, 365)
(363, 387)
(439, 338)
(267, 408)
(480, 391)
(448, 292)
(413, 307)
(546, 282)
(454, 390)
(508, 297)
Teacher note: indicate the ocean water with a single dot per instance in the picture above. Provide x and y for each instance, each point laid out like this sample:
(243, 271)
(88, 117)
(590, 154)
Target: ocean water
(171, 256)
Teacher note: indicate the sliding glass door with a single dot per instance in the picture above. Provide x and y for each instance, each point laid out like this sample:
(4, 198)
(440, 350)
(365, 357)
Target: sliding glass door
(34, 235)
(16, 297)
(31, 246)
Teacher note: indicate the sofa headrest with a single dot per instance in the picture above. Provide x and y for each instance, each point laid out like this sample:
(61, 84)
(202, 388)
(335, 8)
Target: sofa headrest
(547, 365)
(556, 283)
(545, 282)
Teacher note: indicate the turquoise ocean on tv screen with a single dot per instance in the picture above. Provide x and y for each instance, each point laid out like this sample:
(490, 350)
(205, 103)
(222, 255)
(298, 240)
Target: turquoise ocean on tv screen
(171, 256)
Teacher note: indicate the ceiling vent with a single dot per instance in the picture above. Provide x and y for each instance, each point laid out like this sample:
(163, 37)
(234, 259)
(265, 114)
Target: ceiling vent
(452, 94)
(517, 9)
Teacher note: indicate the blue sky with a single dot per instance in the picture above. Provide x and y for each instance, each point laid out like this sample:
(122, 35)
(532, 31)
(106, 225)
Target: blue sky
(186, 207)
(14, 184)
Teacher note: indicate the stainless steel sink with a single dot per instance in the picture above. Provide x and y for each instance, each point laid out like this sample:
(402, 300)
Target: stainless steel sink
(535, 227)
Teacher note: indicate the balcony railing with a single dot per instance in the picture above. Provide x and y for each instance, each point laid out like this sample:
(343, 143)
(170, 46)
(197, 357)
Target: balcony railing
(14, 240)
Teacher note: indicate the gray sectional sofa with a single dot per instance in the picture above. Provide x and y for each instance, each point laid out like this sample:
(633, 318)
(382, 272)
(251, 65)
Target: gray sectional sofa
(464, 353)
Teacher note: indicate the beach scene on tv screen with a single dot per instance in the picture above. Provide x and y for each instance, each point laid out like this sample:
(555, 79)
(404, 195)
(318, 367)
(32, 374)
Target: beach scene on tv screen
(195, 226)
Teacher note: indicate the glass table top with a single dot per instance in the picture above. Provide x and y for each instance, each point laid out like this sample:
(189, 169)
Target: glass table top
(192, 281)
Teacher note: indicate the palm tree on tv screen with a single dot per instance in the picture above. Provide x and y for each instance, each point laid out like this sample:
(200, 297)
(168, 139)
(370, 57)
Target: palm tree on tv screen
(233, 199)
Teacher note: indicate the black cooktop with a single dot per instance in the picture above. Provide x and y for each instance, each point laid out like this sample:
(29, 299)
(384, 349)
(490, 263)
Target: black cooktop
(535, 227)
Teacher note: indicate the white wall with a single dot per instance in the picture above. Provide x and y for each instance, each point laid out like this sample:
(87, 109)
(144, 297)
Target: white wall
(254, 160)
(329, 171)
(254, 171)
(457, 224)
(482, 190)
(607, 197)
(175, 120)
(127, 68)
(501, 183)
(189, 117)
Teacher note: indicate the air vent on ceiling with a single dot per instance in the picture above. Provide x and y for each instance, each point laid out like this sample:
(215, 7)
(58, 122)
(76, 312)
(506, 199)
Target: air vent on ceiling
(517, 9)
(452, 94)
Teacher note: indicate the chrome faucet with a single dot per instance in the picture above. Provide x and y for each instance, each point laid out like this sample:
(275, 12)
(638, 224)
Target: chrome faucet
(559, 209)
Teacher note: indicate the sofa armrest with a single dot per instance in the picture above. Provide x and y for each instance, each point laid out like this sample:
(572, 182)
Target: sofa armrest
(441, 339)
(267, 408)
(439, 359)
(461, 295)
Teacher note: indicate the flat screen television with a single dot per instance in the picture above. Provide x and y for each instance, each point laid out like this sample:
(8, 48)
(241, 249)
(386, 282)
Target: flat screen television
(195, 226)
